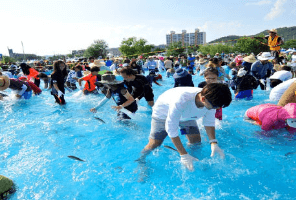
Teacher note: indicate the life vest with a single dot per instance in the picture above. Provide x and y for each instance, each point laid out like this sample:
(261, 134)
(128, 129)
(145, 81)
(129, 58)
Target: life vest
(90, 82)
(273, 42)
(33, 73)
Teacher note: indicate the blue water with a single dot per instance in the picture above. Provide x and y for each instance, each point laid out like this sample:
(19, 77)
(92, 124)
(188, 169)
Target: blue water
(37, 135)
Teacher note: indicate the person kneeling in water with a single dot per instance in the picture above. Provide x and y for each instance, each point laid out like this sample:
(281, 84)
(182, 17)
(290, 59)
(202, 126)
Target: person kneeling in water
(22, 88)
(115, 89)
(180, 107)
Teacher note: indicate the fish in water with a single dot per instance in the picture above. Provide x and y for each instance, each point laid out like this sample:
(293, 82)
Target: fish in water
(170, 147)
(290, 153)
(76, 158)
(100, 120)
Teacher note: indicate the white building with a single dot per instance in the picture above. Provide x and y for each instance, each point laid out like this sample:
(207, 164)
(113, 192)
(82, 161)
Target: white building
(187, 39)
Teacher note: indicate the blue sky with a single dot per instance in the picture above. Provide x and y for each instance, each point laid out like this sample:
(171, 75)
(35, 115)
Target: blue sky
(58, 26)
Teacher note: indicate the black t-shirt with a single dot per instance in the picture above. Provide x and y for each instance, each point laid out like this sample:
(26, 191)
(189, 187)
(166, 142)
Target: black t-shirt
(202, 84)
(137, 87)
(184, 81)
(58, 78)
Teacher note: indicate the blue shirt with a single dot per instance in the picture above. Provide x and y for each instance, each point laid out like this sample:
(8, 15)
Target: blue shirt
(109, 63)
(259, 70)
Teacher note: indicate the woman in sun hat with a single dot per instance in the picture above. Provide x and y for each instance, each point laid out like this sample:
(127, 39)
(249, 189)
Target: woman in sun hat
(114, 87)
(182, 78)
(238, 60)
(22, 88)
(248, 61)
(262, 68)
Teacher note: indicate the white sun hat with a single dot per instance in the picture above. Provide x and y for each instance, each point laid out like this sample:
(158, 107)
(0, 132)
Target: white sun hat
(265, 56)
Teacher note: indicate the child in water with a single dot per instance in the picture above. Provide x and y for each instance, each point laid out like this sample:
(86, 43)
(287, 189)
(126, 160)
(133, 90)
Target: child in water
(115, 89)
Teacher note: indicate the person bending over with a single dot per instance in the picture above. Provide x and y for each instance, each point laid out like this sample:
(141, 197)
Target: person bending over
(180, 108)
(137, 85)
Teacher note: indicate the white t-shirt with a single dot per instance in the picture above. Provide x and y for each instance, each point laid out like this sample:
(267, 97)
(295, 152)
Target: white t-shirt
(282, 75)
(178, 104)
(277, 92)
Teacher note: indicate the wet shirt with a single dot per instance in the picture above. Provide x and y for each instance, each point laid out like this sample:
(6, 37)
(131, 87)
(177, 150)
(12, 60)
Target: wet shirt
(178, 104)
(137, 87)
(58, 78)
(16, 84)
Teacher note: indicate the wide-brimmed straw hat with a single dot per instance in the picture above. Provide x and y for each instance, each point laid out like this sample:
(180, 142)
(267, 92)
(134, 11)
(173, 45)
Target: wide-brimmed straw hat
(250, 59)
(4, 82)
(273, 30)
(202, 61)
(265, 56)
(179, 73)
(109, 79)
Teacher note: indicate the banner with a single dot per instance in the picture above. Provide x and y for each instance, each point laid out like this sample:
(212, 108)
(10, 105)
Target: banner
(0, 56)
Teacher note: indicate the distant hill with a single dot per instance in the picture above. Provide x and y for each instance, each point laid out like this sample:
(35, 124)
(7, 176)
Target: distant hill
(287, 33)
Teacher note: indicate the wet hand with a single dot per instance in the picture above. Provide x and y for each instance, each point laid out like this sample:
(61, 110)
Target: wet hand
(117, 108)
(216, 149)
(187, 160)
(18, 96)
(60, 93)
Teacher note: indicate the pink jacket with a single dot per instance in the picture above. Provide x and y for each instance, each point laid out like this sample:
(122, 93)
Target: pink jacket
(271, 116)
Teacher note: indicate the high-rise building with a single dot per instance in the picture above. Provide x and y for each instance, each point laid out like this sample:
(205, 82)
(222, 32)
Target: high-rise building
(187, 39)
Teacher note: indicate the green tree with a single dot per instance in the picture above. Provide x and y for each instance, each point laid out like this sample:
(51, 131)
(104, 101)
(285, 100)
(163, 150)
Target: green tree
(213, 49)
(289, 44)
(96, 49)
(134, 47)
(251, 45)
(175, 49)
(7, 59)
(70, 56)
(192, 49)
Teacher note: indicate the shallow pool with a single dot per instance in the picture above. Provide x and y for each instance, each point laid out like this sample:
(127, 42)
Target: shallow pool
(37, 136)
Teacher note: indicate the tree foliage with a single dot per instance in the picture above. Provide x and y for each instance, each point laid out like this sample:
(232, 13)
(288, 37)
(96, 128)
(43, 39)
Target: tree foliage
(175, 49)
(7, 59)
(213, 49)
(132, 46)
(96, 49)
(289, 44)
(251, 45)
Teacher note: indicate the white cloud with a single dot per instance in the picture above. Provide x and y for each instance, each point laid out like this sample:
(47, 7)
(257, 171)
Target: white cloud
(259, 3)
(276, 10)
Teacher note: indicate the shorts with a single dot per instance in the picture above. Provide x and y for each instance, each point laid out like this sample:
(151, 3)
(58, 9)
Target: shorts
(158, 131)
(149, 96)
(27, 95)
(247, 94)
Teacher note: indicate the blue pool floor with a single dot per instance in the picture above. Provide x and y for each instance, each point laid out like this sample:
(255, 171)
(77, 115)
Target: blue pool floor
(37, 136)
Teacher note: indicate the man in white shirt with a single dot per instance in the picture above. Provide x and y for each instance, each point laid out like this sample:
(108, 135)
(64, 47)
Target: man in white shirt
(181, 107)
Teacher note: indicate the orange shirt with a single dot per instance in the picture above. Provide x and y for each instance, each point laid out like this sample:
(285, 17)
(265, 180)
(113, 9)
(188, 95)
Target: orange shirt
(33, 74)
(90, 82)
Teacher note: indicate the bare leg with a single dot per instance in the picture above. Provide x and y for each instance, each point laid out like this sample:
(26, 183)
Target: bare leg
(193, 139)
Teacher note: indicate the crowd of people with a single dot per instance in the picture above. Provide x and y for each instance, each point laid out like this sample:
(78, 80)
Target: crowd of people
(177, 109)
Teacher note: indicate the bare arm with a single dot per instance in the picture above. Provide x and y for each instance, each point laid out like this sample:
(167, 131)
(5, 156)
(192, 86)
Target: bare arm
(210, 132)
(178, 144)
